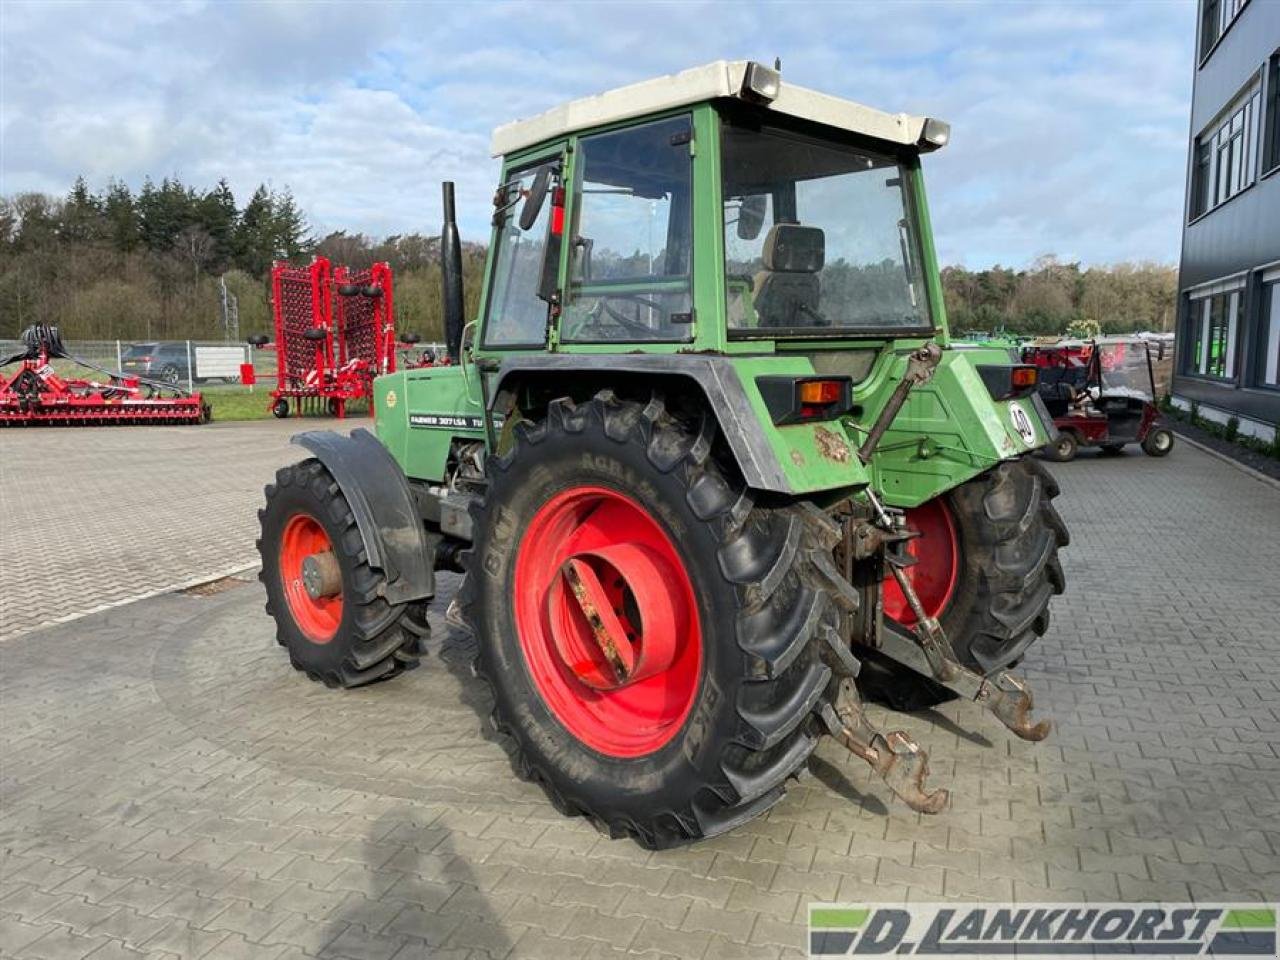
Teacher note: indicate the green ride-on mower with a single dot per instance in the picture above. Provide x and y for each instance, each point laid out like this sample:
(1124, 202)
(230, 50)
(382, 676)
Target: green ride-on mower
(706, 457)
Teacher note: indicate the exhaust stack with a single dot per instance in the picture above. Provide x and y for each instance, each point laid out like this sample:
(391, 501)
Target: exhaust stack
(451, 275)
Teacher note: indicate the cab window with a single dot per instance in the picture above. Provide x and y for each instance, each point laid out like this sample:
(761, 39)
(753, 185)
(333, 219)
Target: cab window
(632, 236)
(516, 316)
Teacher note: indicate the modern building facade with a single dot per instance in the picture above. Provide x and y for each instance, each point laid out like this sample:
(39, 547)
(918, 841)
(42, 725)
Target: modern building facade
(1228, 353)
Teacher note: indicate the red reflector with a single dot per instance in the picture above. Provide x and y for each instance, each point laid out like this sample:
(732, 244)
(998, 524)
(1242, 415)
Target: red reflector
(1024, 376)
(248, 376)
(557, 211)
(819, 391)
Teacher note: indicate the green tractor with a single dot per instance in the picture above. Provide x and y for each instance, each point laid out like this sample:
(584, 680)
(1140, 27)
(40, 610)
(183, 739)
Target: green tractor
(706, 457)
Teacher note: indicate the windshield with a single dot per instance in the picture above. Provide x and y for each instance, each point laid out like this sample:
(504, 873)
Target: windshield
(1124, 370)
(819, 237)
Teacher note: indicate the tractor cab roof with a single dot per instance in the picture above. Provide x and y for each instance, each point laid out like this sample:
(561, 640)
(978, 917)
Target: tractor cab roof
(742, 80)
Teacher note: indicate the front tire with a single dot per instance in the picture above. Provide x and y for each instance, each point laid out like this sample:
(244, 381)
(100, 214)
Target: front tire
(346, 638)
(1064, 449)
(1005, 538)
(732, 715)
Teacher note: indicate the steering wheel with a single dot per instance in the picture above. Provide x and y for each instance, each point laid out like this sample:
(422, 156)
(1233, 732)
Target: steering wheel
(620, 319)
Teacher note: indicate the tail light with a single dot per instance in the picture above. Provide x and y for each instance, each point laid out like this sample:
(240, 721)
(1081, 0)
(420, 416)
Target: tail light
(805, 399)
(1009, 382)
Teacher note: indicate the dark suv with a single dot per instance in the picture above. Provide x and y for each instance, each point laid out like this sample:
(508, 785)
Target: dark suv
(157, 361)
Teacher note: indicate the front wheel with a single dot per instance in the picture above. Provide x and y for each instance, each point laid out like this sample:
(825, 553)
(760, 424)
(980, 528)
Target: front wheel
(1064, 449)
(1158, 442)
(652, 637)
(326, 599)
(987, 567)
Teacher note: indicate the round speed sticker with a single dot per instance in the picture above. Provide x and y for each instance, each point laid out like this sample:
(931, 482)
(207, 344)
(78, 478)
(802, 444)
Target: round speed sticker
(1022, 423)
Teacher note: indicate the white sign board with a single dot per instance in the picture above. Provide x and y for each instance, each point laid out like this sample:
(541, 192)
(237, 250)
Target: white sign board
(218, 362)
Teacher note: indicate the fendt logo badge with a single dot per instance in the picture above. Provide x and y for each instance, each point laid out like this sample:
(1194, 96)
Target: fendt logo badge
(1022, 423)
(1044, 930)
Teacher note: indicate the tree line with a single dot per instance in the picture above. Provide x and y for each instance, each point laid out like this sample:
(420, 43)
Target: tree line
(1052, 297)
(152, 264)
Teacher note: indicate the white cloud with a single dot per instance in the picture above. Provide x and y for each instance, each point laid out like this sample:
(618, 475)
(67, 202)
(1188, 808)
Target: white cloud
(1069, 120)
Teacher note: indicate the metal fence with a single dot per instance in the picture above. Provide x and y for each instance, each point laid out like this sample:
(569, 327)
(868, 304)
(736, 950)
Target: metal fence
(188, 363)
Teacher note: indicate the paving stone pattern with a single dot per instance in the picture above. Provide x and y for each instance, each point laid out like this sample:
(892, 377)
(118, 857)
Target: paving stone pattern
(169, 787)
(94, 516)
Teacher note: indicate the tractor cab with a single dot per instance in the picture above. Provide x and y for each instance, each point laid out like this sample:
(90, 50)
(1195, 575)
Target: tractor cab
(710, 208)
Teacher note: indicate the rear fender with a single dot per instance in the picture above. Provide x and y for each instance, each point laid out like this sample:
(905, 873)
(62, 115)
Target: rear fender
(386, 515)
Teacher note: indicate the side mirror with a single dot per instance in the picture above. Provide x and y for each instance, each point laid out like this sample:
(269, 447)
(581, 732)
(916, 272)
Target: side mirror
(537, 197)
(371, 290)
(751, 216)
(259, 340)
(409, 338)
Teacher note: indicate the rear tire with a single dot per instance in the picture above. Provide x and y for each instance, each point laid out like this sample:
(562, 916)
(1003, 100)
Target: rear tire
(280, 409)
(1008, 537)
(1158, 442)
(761, 615)
(360, 638)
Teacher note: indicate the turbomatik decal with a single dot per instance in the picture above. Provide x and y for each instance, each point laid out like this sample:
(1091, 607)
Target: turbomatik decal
(1043, 930)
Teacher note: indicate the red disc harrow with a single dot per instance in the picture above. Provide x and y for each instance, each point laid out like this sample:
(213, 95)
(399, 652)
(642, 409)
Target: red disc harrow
(36, 395)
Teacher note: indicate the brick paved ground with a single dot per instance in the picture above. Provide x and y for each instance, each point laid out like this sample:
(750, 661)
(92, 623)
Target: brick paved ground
(171, 787)
(102, 516)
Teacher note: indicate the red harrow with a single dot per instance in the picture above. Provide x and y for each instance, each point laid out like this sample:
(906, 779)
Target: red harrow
(323, 361)
(35, 394)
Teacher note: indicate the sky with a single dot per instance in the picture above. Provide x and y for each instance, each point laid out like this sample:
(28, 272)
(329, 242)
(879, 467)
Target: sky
(1069, 120)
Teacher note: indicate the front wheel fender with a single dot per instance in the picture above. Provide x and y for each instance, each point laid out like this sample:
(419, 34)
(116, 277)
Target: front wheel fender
(386, 515)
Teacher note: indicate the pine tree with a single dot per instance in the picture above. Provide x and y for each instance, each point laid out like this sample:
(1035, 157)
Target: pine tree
(81, 215)
(121, 217)
(218, 216)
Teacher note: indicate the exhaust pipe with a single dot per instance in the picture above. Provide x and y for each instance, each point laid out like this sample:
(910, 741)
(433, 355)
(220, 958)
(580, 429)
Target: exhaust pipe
(451, 275)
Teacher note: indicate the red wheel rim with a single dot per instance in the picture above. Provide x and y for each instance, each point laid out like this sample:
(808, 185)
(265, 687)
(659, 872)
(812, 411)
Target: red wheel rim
(934, 575)
(316, 617)
(607, 621)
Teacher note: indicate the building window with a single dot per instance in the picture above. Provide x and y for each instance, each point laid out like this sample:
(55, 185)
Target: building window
(1226, 153)
(1272, 158)
(1215, 17)
(1270, 330)
(1214, 320)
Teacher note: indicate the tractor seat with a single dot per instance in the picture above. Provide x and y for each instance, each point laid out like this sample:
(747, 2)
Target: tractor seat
(787, 290)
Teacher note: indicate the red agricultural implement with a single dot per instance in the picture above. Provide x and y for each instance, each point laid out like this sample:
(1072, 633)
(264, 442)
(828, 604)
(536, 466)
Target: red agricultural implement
(327, 357)
(35, 394)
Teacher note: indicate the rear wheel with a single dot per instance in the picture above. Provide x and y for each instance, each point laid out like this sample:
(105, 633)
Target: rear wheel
(1158, 442)
(987, 568)
(652, 637)
(326, 600)
(280, 409)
